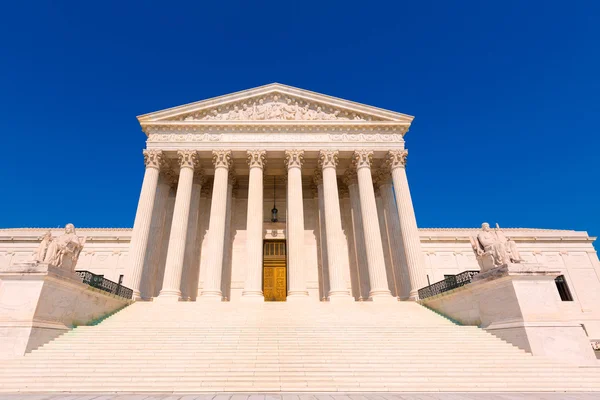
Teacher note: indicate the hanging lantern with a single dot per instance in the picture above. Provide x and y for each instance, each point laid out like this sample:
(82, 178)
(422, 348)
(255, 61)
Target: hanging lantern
(274, 210)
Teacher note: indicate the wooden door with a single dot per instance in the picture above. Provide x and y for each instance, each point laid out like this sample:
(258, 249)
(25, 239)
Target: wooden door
(274, 270)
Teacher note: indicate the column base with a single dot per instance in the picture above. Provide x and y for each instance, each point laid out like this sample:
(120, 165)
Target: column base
(252, 297)
(211, 297)
(297, 297)
(167, 298)
(341, 298)
(382, 297)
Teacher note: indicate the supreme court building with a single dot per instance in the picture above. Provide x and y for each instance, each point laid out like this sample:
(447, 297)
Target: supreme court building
(275, 193)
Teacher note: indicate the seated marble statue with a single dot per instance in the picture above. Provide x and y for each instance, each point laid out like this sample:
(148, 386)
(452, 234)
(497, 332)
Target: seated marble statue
(62, 251)
(493, 249)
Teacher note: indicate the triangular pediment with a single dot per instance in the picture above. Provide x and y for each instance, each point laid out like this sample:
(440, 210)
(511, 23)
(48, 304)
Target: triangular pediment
(274, 102)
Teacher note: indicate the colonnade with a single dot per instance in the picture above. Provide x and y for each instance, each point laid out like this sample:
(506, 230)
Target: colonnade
(390, 180)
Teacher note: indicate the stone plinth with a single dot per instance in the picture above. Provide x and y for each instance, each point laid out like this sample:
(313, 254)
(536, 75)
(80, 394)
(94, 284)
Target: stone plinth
(519, 303)
(39, 302)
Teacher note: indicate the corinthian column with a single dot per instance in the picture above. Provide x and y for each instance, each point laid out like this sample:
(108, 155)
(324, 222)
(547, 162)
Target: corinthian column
(336, 259)
(358, 250)
(171, 289)
(254, 226)
(396, 160)
(295, 224)
(372, 234)
(392, 224)
(143, 218)
(216, 229)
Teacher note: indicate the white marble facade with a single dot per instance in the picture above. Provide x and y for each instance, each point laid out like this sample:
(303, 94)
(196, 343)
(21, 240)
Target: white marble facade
(345, 211)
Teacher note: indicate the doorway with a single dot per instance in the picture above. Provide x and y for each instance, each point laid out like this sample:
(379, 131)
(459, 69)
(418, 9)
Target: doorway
(274, 270)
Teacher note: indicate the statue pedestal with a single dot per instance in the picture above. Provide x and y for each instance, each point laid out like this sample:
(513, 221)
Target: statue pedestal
(39, 302)
(519, 303)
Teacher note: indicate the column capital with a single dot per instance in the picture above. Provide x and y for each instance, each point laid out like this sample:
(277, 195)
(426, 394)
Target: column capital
(396, 159)
(232, 177)
(343, 191)
(362, 159)
(328, 159)
(350, 177)
(318, 177)
(257, 158)
(294, 158)
(153, 158)
(222, 159)
(188, 159)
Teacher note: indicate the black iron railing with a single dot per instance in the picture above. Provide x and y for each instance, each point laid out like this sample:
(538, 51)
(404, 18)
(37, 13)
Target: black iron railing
(451, 282)
(99, 282)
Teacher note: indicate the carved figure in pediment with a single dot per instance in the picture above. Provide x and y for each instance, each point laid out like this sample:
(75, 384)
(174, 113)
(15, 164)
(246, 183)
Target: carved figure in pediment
(213, 115)
(301, 111)
(288, 110)
(275, 110)
(246, 112)
(62, 251)
(234, 113)
(260, 110)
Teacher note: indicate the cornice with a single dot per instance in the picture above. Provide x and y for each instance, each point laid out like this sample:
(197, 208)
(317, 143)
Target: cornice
(278, 88)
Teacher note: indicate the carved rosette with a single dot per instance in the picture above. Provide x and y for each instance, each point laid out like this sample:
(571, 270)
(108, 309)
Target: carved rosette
(350, 177)
(188, 159)
(362, 159)
(328, 159)
(318, 177)
(396, 159)
(222, 159)
(257, 158)
(153, 158)
(294, 158)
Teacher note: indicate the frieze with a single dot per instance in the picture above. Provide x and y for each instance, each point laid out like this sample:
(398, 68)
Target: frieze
(273, 137)
(275, 107)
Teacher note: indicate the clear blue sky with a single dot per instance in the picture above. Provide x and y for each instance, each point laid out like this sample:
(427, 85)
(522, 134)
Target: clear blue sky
(505, 94)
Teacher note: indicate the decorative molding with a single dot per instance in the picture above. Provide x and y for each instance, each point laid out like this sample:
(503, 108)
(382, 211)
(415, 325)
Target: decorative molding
(188, 158)
(248, 134)
(153, 158)
(328, 159)
(362, 159)
(396, 159)
(257, 158)
(294, 158)
(222, 158)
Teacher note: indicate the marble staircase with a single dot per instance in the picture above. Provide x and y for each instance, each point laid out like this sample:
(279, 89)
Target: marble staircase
(316, 347)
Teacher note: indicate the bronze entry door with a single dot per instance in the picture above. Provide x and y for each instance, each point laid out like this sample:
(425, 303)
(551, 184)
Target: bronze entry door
(274, 270)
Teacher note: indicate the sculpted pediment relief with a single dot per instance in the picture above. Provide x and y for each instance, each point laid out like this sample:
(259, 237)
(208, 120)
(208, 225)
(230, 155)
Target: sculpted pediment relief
(275, 107)
(274, 103)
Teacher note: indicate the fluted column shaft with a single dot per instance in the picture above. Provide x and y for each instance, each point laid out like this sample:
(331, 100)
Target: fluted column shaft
(155, 238)
(143, 218)
(324, 273)
(336, 259)
(368, 208)
(408, 222)
(218, 214)
(392, 221)
(295, 225)
(358, 234)
(191, 262)
(171, 289)
(254, 227)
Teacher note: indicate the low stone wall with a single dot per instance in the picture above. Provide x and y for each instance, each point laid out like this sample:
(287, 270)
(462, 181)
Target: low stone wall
(39, 302)
(519, 304)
